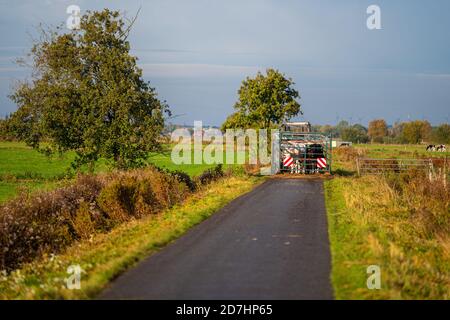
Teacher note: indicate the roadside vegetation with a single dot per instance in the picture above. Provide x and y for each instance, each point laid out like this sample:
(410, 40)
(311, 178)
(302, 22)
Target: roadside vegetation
(92, 183)
(47, 222)
(25, 170)
(400, 222)
(104, 255)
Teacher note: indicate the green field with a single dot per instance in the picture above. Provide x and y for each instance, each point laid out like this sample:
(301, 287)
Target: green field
(25, 169)
(399, 151)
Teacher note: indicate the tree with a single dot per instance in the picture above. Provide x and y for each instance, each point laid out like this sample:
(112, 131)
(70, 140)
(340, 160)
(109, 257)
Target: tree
(395, 132)
(377, 130)
(3, 129)
(88, 95)
(265, 101)
(329, 130)
(343, 124)
(356, 134)
(416, 131)
(441, 134)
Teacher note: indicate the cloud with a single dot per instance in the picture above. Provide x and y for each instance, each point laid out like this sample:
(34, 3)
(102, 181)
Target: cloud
(188, 70)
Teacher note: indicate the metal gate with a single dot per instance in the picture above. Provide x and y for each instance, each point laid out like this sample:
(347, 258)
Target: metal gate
(302, 153)
(380, 166)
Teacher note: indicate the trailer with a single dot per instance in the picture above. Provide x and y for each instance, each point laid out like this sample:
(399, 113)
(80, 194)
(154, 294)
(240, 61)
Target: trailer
(298, 152)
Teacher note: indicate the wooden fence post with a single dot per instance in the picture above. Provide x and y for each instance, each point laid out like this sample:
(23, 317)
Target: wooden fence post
(430, 170)
(357, 166)
(445, 173)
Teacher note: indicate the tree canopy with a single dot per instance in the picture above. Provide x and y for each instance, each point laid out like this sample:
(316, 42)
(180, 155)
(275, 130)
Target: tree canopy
(355, 133)
(264, 101)
(441, 134)
(416, 131)
(87, 94)
(377, 130)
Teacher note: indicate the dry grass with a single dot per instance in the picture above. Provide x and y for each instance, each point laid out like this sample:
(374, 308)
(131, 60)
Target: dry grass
(399, 222)
(344, 158)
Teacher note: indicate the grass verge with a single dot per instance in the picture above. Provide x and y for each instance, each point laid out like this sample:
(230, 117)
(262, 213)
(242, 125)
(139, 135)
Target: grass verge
(371, 223)
(105, 256)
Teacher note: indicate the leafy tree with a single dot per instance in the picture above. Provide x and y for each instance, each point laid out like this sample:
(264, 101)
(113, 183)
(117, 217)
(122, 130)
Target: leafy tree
(88, 95)
(356, 134)
(377, 130)
(3, 129)
(236, 120)
(343, 124)
(416, 131)
(395, 133)
(329, 129)
(265, 101)
(441, 134)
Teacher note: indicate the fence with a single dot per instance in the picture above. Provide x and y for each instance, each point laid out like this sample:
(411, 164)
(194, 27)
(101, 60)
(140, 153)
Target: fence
(435, 168)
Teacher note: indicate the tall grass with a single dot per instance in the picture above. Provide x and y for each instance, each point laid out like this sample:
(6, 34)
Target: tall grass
(399, 222)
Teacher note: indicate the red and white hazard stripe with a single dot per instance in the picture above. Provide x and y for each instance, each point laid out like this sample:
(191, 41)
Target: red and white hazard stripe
(288, 161)
(321, 162)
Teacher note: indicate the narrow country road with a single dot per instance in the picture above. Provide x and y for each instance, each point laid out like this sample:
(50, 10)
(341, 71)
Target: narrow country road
(271, 243)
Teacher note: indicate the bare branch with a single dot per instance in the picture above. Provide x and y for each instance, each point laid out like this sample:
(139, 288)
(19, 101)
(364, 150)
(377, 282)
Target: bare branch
(130, 25)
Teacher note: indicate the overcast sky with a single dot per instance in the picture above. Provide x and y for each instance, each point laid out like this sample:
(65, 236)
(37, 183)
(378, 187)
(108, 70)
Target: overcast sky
(196, 53)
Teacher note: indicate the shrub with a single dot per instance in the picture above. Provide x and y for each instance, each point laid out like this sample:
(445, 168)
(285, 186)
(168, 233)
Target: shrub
(42, 222)
(82, 223)
(140, 192)
(126, 197)
(210, 175)
(238, 171)
(47, 222)
(184, 178)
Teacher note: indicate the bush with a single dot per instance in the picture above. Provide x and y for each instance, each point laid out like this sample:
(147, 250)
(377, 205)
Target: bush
(136, 193)
(126, 197)
(185, 178)
(42, 223)
(83, 224)
(47, 222)
(210, 175)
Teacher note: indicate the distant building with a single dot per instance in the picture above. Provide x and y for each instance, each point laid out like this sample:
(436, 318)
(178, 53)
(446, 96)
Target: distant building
(301, 126)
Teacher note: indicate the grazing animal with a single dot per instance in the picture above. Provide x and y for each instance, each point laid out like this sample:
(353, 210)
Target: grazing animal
(441, 148)
(431, 147)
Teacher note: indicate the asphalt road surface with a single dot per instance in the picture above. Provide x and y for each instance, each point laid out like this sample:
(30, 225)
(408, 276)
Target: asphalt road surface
(271, 243)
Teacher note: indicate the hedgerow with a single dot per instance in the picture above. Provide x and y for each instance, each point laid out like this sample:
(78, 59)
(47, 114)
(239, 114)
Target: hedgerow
(33, 225)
